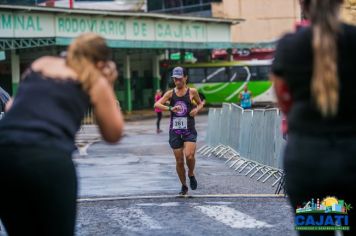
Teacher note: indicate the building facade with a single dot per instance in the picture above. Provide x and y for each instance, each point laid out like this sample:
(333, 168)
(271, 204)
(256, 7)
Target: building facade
(186, 7)
(265, 20)
(139, 41)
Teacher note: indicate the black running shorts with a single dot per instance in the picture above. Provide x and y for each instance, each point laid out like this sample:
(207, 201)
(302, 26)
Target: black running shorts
(177, 141)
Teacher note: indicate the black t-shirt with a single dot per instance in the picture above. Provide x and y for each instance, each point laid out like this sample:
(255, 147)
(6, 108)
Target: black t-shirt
(186, 107)
(294, 63)
(46, 113)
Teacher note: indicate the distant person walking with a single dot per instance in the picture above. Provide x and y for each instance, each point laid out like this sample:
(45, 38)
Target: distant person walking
(158, 111)
(37, 177)
(313, 75)
(246, 98)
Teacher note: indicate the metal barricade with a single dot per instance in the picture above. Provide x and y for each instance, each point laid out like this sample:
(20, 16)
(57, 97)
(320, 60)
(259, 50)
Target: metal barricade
(213, 132)
(249, 140)
(234, 127)
(280, 142)
(89, 117)
(225, 128)
(245, 133)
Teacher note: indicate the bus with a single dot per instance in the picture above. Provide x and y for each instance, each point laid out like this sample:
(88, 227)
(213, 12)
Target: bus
(220, 82)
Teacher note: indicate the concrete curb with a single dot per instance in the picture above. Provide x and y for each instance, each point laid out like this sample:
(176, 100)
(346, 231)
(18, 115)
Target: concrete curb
(97, 199)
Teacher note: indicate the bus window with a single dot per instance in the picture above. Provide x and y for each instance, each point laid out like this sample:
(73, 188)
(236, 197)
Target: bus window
(259, 72)
(263, 72)
(217, 74)
(196, 75)
(238, 73)
(254, 72)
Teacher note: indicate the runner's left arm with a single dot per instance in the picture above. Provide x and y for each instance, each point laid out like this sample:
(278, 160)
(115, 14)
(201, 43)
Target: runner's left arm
(198, 101)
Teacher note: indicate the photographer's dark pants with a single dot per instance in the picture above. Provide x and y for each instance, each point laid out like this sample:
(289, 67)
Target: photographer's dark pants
(317, 167)
(38, 191)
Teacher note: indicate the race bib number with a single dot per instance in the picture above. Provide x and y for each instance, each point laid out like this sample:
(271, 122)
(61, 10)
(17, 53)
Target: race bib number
(180, 123)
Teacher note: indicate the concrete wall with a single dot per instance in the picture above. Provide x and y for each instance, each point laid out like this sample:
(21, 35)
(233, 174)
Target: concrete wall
(266, 20)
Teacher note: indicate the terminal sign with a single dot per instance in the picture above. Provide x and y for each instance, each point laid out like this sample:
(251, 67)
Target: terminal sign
(16, 25)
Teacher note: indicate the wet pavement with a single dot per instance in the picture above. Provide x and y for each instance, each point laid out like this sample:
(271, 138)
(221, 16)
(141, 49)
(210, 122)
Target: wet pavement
(131, 189)
(177, 216)
(143, 164)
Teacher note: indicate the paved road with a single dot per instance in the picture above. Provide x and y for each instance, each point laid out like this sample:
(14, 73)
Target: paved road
(143, 164)
(176, 216)
(115, 181)
(130, 189)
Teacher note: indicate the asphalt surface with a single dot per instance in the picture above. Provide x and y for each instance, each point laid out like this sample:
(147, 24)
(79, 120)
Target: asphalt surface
(177, 216)
(143, 164)
(130, 188)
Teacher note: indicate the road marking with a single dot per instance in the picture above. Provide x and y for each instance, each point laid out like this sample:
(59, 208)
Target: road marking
(232, 217)
(133, 219)
(219, 203)
(96, 199)
(166, 204)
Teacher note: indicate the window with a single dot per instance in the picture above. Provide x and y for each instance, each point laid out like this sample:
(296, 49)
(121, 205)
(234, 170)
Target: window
(264, 72)
(217, 74)
(171, 3)
(196, 75)
(207, 1)
(260, 72)
(254, 72)
(154, 5)
(238, 73)
(190, 2)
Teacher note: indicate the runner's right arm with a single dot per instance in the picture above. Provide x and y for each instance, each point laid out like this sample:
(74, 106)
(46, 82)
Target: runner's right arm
(160, 103)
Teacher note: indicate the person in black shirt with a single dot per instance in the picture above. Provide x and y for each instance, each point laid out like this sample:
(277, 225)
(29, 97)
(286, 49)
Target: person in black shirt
(313, 74)
(37, 176)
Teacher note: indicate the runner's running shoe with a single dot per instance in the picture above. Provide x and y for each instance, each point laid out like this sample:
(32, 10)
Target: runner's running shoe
(184, 190)
(193, 182)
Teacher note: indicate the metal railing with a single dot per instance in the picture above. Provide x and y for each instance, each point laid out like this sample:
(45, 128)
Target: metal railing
(89, 117)
(249, 140)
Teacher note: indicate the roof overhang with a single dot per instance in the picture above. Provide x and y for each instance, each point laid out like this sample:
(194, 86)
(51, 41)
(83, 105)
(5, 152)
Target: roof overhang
(156, 16)
(23, 26)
